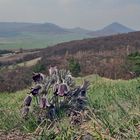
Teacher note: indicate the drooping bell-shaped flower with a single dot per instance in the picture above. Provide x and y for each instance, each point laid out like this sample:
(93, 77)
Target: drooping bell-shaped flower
(28, 100)
(55, 88)
(36, 90)
(38, 77)
(83, 93)
(63, 89)
(44, 102)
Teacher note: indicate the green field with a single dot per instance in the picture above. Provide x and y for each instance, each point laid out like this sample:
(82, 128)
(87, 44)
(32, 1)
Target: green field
(114, 107)
(31, 41)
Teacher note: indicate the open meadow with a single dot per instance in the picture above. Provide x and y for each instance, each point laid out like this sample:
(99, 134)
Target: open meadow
(33, 41)
(113, 114)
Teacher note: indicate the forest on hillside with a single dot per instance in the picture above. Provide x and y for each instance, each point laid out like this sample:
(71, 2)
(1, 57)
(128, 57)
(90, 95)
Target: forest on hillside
(105, 56)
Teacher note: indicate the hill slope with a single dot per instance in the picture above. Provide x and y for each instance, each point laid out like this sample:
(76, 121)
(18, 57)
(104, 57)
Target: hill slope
(104, 55)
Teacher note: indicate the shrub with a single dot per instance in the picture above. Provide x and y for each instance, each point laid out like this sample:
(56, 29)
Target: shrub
(134, 62)
(39, 67)
(74, 67)
(14, 80)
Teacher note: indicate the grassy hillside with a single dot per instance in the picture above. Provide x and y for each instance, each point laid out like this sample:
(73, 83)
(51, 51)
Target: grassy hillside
(114, 107)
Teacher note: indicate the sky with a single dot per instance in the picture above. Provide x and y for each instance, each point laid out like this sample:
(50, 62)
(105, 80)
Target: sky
(89, 14)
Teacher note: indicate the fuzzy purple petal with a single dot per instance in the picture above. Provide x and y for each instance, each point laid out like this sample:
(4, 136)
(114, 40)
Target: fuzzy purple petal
(27, 101)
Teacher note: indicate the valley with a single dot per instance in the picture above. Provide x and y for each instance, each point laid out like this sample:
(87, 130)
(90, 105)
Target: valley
(41, 35)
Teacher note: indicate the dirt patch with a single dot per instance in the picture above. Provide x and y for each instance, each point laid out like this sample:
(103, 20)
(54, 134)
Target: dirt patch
(13, 57)
(15, 135)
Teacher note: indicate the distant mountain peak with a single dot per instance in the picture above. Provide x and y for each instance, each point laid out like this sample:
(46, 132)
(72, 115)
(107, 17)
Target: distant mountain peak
(112, 29)
(118, 27)
(116, 24)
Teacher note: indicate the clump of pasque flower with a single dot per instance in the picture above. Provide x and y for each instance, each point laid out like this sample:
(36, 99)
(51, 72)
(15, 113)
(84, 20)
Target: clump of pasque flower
(54, 91)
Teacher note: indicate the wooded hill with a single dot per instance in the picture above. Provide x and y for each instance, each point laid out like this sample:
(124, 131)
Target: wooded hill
(105, 56)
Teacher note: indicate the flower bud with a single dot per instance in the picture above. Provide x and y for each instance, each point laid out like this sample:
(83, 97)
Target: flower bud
(35, 90)
(43, 103)
(25, 111)
(27, 101)
(62, 90)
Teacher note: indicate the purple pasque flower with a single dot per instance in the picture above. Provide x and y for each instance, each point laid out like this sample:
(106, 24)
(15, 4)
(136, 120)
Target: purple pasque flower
(83, 93)
(28, 100)
(38, 77)
(63, 89)
(44, 102)
(36, 90)
(55, 88)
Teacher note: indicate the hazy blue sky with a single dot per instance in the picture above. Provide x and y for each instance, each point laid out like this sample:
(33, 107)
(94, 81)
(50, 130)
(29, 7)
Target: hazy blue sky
(91, 14)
